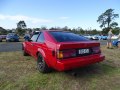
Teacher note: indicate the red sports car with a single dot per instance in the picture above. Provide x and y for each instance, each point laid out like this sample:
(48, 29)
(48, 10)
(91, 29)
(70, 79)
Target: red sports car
(62, 50)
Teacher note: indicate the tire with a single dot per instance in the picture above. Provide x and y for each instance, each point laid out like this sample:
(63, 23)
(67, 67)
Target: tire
(24, 52)
(91, 38)
(41, 64)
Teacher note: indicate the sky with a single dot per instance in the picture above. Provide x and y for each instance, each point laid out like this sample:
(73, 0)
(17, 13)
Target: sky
(55, 13)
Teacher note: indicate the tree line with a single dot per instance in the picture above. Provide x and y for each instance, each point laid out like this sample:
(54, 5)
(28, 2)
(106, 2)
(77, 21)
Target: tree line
(106, 21)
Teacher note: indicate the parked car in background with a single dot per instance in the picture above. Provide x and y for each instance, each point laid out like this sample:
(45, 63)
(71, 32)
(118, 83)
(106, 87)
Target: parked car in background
(94, 37)
(62, 50)
(0, 38)
(104, 37)
(26, 37)
(12, 37)
(87, 36)
(3, 36)
(114, 37)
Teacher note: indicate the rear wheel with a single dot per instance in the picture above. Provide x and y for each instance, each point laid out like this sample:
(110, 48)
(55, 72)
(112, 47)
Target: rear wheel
(41, 64)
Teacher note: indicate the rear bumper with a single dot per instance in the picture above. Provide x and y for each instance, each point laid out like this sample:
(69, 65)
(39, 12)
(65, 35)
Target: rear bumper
(68, 64)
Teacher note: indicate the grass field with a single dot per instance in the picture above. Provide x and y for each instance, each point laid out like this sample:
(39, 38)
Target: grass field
(19, 73)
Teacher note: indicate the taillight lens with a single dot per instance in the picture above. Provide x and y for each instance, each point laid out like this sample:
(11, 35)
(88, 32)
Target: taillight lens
(66, 53)
(59, 54)
(96, 50)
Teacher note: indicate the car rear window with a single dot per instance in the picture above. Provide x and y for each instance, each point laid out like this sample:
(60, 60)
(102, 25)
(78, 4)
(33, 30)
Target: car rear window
(67, 36)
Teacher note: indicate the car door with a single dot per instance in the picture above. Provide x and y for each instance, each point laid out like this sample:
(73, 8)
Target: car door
(30, 44)
(38, 44)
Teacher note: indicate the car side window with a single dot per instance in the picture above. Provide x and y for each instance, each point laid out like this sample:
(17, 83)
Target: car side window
(34, 37)
(41, 38)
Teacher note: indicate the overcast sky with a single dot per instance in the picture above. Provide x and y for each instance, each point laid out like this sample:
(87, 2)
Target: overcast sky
(51, 13)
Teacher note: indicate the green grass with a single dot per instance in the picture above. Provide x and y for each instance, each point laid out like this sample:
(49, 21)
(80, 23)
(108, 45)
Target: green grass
(19, 73)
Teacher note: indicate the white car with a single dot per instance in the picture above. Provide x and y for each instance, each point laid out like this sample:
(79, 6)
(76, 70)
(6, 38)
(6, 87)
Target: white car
(95, 37)
(114, 37)
(88, 36)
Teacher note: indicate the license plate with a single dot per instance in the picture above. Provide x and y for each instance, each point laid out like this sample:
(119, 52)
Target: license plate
(84, 51)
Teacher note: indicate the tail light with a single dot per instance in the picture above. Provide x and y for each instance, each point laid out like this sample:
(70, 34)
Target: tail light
(96, 50)
(66, 53)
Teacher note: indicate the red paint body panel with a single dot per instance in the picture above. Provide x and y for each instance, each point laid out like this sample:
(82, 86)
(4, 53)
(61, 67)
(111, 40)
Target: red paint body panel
(69, 45)
(78, 62)
(49, 48)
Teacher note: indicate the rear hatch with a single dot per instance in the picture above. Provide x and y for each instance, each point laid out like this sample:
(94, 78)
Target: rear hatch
(74, 49)
(69, 44)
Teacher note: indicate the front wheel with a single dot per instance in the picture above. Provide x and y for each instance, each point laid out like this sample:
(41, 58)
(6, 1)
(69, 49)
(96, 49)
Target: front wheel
(41, 64)
(24, 52)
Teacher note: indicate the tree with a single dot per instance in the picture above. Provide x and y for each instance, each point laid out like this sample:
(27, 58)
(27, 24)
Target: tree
(21, 27)
(116, 30)
(107, 18)
(43, 28)
(80, 30)
(3, 31)
(94, 31)
(65, 28)
(55, 28)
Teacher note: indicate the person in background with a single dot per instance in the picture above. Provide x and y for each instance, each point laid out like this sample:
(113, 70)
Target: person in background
(109, 41)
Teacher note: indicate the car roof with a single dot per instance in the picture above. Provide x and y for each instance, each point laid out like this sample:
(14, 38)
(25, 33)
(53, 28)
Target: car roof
(11, 33)
(54, 31)
(50, 31)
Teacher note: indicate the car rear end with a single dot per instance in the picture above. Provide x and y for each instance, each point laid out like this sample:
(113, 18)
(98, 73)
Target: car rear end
(16, 38)
(12, 37)
(75, 52)
(75, 55)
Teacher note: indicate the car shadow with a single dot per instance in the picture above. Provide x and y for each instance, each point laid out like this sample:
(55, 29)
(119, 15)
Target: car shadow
(91, 71)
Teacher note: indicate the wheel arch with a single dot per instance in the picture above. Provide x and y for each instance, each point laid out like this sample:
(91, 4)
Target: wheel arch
(23, 46)
(43, 54)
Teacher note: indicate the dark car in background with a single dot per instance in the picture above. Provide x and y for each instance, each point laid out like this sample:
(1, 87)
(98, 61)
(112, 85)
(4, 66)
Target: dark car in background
(13, 37)
(0, 38)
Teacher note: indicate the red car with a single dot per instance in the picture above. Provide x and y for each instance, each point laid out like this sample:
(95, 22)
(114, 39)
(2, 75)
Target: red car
(61, 50)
